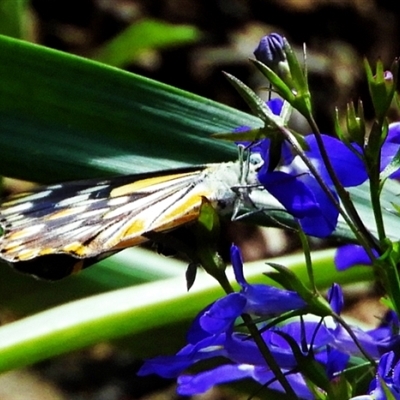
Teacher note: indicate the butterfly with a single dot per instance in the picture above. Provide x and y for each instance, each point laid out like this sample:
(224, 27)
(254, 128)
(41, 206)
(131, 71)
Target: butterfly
(56, 230)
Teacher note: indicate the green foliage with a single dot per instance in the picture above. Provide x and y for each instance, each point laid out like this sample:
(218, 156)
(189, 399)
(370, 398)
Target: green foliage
(64, 117)
(13, 18)
(142, 36)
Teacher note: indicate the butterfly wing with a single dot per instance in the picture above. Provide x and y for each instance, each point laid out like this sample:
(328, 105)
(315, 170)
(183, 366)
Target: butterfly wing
(92, 219)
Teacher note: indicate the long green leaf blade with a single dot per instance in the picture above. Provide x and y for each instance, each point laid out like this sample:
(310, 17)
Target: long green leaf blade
(135, 310)
(64, 117)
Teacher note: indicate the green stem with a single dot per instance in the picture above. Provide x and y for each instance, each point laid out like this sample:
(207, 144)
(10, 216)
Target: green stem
(391, 282)
(354, 337)
(307, 256)
(268, 357)
(218, 273)
(373, 169)
(374, 188)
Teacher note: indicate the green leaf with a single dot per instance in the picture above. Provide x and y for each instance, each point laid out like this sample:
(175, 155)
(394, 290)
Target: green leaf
(67, 117)
(71, 118)
(316, 303)
(245, 136)
(280, 86)
(393, 166)
(135, 310)
(13, 18)
(142, 36)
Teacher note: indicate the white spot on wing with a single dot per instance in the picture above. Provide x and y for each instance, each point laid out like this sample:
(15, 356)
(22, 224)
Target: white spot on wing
(53, 187)
(117, 201)
(72, 200)
(39, 195)
(69, 227)
(32, 230)
(17, 209)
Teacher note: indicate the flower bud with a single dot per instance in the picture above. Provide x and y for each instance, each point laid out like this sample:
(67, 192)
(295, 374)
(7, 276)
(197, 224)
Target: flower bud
(382, 86)
(278, 63)
(270, 50)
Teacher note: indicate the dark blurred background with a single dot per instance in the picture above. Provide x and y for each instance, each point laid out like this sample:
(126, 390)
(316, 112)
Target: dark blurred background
(338, 34)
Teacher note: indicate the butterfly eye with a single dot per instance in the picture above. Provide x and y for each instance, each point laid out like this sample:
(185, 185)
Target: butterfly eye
(256, 160)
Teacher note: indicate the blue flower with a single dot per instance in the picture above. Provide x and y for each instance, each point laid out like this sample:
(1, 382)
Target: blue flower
(296, 188)
(247, 362)
(296, 344)
(244, 359)
(388, 374)
(330, 346)
(335, 298)
(350, 255)
(212, 335)
(375, 342)
(258, 299)
(270, 50)
(293, 185)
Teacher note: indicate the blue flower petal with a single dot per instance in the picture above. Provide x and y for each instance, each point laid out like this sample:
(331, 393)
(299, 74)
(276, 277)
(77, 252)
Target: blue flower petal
(266, 300)
(393, 135)
(194, 384)
(294, 195)
(335, 297)
(323, 222)
(270, 50)
(223, 313)
(336, 363)
(196, 333)
(349, 255)
(172, 366)
(388, 372)
(348, 167)
(391, 147)
(237, 264)
(275, 105)
(165, 366)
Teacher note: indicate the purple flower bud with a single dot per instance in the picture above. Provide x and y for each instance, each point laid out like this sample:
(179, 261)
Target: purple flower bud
(388, 76)
(270, 50)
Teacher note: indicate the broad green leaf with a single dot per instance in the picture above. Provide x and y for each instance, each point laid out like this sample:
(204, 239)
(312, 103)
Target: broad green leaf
(64, 117)
(27, 295)
(135, 310)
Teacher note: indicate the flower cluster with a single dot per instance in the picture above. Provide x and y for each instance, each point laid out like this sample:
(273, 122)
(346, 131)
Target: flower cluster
(314, 344)
(291, 339)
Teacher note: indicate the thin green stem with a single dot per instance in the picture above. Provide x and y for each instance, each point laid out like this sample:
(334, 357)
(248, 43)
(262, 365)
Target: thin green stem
(268, 357)
(375, 190)
(307, 256)
(389, 276)
(349, 330)
(218, 273)
(373, 161)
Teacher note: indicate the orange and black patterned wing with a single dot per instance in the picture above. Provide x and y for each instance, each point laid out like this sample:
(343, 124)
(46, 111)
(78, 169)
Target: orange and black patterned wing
(56, 230)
